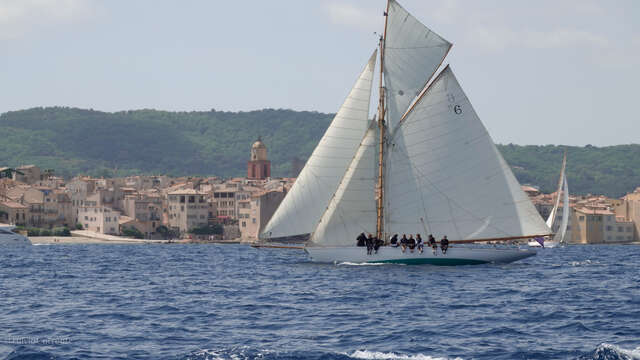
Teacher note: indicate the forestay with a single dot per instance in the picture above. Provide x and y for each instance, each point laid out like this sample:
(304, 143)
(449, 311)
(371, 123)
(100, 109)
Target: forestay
(445, 176)
(412, 54)
(352, 210)
(308, 198)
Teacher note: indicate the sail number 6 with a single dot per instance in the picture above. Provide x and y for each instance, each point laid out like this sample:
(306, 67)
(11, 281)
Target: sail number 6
(457, 109)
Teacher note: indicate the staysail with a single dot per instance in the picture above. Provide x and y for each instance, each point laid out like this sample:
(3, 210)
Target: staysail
(552, 216)
(352, 209)
(445, 176)
(300, 210)
(412, 54)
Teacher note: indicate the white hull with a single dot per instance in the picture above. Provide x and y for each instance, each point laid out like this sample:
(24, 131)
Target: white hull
(454, 256)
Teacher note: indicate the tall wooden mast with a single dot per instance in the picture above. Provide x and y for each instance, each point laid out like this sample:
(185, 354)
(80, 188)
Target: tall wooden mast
(381, 126)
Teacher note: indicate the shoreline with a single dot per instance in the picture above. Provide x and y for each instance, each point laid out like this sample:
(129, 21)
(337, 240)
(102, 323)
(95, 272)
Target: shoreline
(65, 240)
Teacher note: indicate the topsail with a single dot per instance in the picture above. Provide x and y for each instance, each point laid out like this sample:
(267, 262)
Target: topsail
(412, 54)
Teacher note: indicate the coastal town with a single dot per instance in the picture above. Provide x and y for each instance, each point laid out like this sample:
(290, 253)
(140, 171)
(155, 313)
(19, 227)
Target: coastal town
(158, 207)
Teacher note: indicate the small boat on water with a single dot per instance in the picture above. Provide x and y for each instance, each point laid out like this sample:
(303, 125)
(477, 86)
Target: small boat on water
(8, 236)
(552, 220)
(425, 165)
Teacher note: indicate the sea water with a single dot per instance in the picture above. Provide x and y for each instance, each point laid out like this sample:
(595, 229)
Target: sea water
(237, 302)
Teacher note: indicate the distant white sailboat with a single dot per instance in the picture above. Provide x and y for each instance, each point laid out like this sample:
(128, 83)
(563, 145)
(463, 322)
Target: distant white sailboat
(559, 237)
(427, 165)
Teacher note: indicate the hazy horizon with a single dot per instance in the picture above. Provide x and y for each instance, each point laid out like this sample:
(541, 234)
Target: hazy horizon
(544, 73)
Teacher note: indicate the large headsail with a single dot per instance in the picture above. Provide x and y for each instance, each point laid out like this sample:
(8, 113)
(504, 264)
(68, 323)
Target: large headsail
(445, 176)
(412, 54)
(352, 209)
(562, 231)
(552, 216)
(300, 210)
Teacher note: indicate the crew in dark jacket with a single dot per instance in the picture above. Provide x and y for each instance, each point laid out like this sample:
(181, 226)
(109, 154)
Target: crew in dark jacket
(377, 243)
(411, 243)
(433, 244)
(369, 243)
(419, 243)
(394, 240)
(403, 242)
(362, 238)
(444, 244)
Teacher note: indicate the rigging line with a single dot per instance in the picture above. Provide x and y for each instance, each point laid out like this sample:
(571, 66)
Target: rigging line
(455, 203)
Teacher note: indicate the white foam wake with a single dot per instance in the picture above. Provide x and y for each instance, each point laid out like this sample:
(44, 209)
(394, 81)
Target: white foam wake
(625, 354)
(376, 355)
(360, 264)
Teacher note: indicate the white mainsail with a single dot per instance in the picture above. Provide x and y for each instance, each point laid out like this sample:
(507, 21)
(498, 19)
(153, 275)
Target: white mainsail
(305, 203)
(445, 176)
(412, 54)
(562, 231)
(352, 210)
(552, 216)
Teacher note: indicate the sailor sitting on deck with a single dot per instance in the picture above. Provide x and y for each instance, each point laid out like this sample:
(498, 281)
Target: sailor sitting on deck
(394, 240)
(444, 244)
(433, 244)
(419, 243)
(362, 238)
(411, 243)
(403, 242)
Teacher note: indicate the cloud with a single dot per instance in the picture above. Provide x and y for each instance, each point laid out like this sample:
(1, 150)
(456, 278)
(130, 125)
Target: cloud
(18, 17)
(351, 15)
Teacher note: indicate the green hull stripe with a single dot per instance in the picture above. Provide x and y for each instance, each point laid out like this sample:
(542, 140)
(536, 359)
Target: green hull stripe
(432, 261)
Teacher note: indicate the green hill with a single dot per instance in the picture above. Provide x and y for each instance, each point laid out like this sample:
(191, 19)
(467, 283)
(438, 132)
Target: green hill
(74, 141)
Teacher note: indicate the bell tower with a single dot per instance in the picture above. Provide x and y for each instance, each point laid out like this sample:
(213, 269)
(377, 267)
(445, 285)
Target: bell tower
(258, 167)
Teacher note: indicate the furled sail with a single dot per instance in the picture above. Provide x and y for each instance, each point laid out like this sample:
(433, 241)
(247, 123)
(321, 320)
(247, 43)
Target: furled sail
(562, 231)
(300, 210)
(412, 54)
(352, 210)
(445, 176)
(554, 211)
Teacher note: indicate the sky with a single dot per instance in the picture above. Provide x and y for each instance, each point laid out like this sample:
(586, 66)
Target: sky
(537, 72)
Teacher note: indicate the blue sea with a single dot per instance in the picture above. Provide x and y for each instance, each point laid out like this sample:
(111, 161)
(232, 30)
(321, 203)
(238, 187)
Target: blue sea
(237, 302)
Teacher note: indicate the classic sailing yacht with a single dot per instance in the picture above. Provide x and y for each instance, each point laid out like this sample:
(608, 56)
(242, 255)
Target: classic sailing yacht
(561, 231)
(427, 165)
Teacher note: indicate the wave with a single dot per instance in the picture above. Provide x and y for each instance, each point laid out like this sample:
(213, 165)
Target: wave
(606, 351)
(375, 355)
(247, 353)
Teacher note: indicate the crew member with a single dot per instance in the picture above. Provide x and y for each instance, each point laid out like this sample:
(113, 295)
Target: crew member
(419, 243)
(444, 244)
(403, 242)
(394, 240)
(433, 244)
(362, 238)
(369, 243)
(411, 243)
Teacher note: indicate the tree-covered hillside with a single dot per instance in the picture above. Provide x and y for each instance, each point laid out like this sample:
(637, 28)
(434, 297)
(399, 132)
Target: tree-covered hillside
(74, 141)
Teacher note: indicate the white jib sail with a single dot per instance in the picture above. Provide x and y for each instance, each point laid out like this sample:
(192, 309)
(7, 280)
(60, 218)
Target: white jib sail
(554, 211)
(308, 198)
(412, 54)
(352, 210)
(562, 231)
(445, 176)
